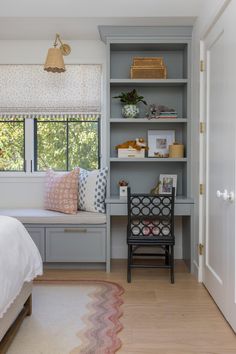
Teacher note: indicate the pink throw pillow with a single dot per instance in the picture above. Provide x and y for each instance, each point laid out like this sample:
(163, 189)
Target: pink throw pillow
(61, 191)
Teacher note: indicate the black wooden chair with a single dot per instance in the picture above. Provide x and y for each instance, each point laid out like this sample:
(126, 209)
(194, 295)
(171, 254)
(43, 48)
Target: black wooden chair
(151, 223)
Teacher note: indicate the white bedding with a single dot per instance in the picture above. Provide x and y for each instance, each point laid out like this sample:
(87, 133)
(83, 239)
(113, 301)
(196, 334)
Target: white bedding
(20, 260)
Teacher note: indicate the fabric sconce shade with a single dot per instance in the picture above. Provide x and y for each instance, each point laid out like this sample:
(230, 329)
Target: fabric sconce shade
(54, 62)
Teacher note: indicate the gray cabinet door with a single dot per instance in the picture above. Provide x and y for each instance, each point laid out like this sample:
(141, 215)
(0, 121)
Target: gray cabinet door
(37, 235)
(75, 244)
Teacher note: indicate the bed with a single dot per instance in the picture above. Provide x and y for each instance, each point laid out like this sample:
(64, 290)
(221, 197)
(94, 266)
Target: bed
(20, 263)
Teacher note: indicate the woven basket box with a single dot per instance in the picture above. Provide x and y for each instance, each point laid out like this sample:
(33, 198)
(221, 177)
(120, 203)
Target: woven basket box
(148, 61)
(131, 153)
(145, 72)
(176, 150)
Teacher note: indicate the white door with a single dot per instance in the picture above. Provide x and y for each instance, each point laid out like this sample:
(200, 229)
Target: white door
(220, 98)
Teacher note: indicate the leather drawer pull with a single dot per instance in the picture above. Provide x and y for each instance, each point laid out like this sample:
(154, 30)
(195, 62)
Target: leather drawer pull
(76, 230)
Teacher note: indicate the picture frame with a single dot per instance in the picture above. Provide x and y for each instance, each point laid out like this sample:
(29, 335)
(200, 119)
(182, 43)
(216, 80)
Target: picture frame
(159, 142)
(166, 184)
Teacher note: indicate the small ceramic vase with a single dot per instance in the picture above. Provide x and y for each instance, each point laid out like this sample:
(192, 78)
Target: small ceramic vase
(130, 111)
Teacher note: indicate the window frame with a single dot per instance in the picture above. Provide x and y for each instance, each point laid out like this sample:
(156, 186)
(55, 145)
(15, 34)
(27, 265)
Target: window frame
(24, 146)
(29, 149)
(67, 122)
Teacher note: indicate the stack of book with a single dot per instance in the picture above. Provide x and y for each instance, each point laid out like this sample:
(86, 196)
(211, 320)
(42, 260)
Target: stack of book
(168, 115)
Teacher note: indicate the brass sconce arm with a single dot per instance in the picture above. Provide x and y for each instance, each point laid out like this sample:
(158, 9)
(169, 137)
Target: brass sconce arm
(65, 48)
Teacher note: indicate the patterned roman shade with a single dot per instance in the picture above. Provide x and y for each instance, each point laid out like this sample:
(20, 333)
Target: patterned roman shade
(28, 89)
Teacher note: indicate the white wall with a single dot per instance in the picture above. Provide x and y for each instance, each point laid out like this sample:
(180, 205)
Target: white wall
(27, 191)
(101, 8)
(209, 12)
(34, 52)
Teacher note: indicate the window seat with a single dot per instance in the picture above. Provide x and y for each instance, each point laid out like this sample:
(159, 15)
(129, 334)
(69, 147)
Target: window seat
(41, 216)
(65, 238)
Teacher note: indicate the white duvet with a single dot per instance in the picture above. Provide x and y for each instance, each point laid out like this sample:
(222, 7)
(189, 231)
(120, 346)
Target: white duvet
(20, 260)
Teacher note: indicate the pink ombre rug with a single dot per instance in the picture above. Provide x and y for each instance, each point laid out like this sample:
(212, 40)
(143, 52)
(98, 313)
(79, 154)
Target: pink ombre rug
(72, 317)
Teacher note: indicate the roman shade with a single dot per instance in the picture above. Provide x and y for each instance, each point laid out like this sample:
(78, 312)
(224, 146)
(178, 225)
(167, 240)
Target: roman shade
(29, 89)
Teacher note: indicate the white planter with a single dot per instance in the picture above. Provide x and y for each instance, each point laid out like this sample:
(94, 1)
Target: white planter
(130, 111)
(123, 191)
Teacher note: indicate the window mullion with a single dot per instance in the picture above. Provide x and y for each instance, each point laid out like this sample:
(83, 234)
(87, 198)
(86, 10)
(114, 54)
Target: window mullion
(29, 144)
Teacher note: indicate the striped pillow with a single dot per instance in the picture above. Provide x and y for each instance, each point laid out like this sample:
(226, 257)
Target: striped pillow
(61, 191)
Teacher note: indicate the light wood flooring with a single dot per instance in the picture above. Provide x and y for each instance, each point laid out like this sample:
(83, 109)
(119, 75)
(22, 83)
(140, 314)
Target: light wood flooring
(160, 318)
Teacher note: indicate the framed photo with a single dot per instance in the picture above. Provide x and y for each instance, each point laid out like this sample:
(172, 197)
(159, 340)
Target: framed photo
(159, 141)
(166, 184)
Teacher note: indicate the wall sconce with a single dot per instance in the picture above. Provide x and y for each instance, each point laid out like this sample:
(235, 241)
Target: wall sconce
(55, 62)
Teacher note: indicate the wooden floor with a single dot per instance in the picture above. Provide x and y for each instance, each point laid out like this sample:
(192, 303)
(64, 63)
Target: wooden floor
(161, 318)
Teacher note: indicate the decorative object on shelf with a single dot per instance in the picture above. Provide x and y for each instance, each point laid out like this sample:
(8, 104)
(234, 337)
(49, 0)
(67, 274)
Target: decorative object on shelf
(130, 111)
(55, 62)
(159, 142)
(152, 112)
(130, 101)
(148, 68)
(176, 150)
(160, 111)
(132, 148)
(123, 187)
(156, 189)
(167, 182)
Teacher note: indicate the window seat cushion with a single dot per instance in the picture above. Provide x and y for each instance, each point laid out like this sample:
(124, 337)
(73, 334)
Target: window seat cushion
(41, 216)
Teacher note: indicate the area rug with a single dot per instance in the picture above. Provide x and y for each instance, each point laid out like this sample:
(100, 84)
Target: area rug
(71, 318)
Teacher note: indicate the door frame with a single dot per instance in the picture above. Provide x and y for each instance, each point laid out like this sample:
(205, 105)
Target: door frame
(202, 137)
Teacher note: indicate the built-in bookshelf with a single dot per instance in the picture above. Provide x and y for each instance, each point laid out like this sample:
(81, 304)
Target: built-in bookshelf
(173, 44)
(143, 173)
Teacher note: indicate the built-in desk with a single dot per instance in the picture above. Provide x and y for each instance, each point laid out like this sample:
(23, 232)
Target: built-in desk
(117, 206)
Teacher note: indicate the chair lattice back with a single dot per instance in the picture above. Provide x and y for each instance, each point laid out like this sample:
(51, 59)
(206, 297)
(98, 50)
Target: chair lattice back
(150, 218)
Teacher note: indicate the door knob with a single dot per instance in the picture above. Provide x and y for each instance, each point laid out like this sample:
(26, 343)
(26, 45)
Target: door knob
(231, 196)
(220, 194)
(225, 195)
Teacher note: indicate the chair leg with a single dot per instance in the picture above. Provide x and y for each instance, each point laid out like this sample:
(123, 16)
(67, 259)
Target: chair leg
(167, 259)
(129, 263)
(172, 276)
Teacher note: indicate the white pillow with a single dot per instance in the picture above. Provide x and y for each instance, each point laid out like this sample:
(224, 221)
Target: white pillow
(92, 190)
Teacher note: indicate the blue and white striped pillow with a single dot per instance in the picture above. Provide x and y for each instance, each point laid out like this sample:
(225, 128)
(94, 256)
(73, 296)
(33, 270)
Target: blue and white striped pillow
(92, 190)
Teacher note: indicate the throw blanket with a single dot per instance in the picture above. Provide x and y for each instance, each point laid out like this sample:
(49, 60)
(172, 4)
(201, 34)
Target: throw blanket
(20, 260)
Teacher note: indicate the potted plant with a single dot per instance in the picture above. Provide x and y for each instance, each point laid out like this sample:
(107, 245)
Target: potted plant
(123, 187)
(130, 101)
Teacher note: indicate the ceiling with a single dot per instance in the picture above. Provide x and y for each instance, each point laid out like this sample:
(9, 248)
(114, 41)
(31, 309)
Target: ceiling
(78, 19)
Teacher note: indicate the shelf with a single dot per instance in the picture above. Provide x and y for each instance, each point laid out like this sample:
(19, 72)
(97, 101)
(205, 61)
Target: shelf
(116, 199)
(147, 47)
(146, 120)
(148, 82)
(147, 159)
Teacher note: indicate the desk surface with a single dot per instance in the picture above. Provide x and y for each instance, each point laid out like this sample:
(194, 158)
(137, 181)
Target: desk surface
(117, 206)
(116, 199)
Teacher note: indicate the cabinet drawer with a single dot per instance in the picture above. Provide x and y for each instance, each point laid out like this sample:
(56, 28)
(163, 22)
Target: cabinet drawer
(75, 244)
(37, 235)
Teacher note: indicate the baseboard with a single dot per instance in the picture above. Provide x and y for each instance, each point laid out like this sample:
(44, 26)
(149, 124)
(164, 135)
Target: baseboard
(195, 271)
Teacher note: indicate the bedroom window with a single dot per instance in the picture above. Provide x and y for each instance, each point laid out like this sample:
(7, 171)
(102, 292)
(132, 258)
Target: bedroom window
(63, 143)
(12, 144)
(52, 124)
